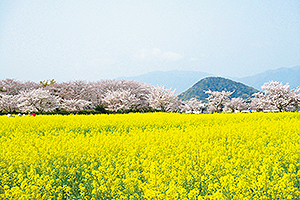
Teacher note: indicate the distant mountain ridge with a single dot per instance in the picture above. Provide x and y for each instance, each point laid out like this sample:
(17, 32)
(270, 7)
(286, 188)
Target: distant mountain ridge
(175, 79)
(217, 84)
(183, 80)
(284, 75)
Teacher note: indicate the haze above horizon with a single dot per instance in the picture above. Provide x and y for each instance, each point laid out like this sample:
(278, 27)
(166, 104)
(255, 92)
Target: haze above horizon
(93, 40)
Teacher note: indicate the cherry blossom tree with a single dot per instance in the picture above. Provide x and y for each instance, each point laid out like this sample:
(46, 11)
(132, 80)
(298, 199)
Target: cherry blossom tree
(75, 105)
(70, 90)
(124, 95)
(234, 104)
(8, 102)
(258, 103)
(11, 86)
(14, 87)
(29, 85)
(217, 100)
(120, 100)
(37, 100)
(138, 89)
(96, 92)
(193, 105)
(163, 99)
(278, 96)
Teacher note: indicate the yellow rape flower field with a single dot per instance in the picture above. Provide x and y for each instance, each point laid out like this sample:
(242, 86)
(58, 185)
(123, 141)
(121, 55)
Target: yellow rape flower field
(151, 156)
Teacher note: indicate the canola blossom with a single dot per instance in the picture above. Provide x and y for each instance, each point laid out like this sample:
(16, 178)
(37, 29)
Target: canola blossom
(151, 156)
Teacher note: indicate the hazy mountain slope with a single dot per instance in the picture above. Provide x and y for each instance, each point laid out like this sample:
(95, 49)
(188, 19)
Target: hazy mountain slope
(284, 75)
(217, 84)
(183, 80)
(179, 80)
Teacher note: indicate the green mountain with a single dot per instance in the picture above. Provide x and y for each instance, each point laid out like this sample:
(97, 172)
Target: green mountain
(217, 84)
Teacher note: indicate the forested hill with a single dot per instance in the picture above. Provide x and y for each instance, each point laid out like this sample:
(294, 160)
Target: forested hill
(217, 84)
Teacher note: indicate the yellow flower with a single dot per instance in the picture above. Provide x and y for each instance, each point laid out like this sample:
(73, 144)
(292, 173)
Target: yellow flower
(151, 156)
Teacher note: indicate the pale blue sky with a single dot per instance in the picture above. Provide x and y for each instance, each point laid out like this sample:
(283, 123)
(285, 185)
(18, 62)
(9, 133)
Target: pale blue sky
(95, 39)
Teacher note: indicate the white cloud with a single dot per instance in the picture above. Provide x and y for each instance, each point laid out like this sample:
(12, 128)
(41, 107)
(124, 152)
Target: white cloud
(156, 54)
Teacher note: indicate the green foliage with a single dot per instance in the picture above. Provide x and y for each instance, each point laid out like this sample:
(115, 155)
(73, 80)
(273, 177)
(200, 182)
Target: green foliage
(2, 89)
(217, 84)
(45, 83)
(101, 108)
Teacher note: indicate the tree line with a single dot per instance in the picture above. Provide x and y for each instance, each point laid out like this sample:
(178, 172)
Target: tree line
(121, 96)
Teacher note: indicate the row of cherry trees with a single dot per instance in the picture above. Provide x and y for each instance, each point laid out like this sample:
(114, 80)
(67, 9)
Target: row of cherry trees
(275, 97)
(116, 95)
